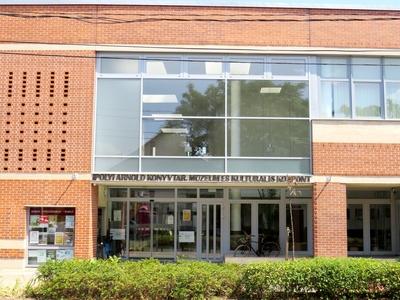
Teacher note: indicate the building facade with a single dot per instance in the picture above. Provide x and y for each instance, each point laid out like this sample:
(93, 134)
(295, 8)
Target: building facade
(175, 131)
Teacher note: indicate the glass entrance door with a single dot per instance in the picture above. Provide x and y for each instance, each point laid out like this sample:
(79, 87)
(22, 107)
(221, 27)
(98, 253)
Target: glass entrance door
(151, 229)
(211, 231)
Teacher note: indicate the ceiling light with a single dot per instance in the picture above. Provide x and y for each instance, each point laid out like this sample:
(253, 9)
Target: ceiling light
(174, 130)
(160, 99)
(270, 90)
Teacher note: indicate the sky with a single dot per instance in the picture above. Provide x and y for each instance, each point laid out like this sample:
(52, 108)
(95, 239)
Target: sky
(377, 4)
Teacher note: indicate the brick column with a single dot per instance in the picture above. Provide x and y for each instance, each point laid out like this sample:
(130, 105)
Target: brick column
(329, 219)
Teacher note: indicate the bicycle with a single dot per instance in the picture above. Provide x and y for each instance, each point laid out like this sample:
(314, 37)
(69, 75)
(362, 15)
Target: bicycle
(266, 248)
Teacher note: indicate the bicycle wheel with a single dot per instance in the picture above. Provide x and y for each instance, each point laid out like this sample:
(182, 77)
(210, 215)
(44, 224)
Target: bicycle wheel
(271, 249)
(242, 250)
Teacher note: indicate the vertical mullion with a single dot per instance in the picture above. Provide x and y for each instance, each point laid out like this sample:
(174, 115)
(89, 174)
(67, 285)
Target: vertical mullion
(383, 90)
(141, 136)
(214, 230)
(127, 203)
(226, 126)
(350, 76)
(207, 229)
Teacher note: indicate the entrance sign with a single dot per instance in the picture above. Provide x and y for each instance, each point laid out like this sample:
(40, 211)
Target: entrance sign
(202, 178)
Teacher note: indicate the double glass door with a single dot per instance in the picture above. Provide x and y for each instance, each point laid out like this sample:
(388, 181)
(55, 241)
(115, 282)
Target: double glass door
(211, 231)
(165, 229)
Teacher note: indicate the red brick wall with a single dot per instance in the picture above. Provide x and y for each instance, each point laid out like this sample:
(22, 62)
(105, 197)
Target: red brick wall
(202, 25)
(356, 159)
(46, 112)
(329, 219)
(17, 194)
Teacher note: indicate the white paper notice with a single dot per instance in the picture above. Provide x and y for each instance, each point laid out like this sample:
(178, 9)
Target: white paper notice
(69, 221)
(170, 219)
(34, 237)
(117, 234)
(117, 215)
(186, 236)
(41, 256)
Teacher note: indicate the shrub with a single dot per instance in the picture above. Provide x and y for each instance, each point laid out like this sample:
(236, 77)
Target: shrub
(322, 278)
(147, 279)
(150, 279)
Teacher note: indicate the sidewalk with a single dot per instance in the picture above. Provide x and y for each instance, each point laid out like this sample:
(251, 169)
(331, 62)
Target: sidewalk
(10, 278)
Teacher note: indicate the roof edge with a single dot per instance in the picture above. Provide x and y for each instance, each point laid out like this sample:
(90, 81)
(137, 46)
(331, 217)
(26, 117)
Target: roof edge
(199, 3)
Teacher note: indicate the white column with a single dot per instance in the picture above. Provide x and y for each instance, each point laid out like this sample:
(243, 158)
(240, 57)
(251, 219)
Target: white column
(235, 112)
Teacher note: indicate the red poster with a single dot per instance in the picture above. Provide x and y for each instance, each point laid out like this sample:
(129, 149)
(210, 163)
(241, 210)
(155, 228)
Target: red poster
(44, 220)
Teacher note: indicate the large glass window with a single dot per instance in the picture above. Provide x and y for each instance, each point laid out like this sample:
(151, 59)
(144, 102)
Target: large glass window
(370, 90)
(299, 213)
(240, 222)
(117, 118)
(51, 234)
(185, 137)
(203, 113)
(380, 227)
(268, 222)
(268, 138)
(393, 100)
(335, 99)
(355, 233)
(124, 63)
(288, 66)
(163, 66)
(183, 97)
(205, 66)
(367, 98)
(265, 98)
(246, 66)
(366, 68)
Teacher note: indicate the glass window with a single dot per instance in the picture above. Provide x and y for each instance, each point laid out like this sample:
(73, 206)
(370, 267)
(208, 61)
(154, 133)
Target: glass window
(187, 228)
(355, 235)
(299, 212)
(188, 137)
(240, 222)
(116, 164)
(163, 228)
(187, 193)
(205, 66)
(368, 194)
(266, 98)
(246, 66)
(121, 64)
(380, 227)
(268, 222)
(297, 192)
(288, 67)
(139, 228)
(211, 193)
(118, 192)
(183, 97)
(366, 68)
(335, 100)
(257, 194)
(393, 100)
(152, 193)
(392, 68)
(163, 66)
(283, 166)
(334, 68)
(117, 117)
(51, 234)
(268, 138)
(367, 98)
(182, 164)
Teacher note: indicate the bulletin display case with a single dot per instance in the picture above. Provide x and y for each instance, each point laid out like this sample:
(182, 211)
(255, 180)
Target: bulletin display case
(51, 234)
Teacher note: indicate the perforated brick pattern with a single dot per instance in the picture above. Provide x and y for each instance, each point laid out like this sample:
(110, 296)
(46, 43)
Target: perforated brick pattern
(45, 113)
